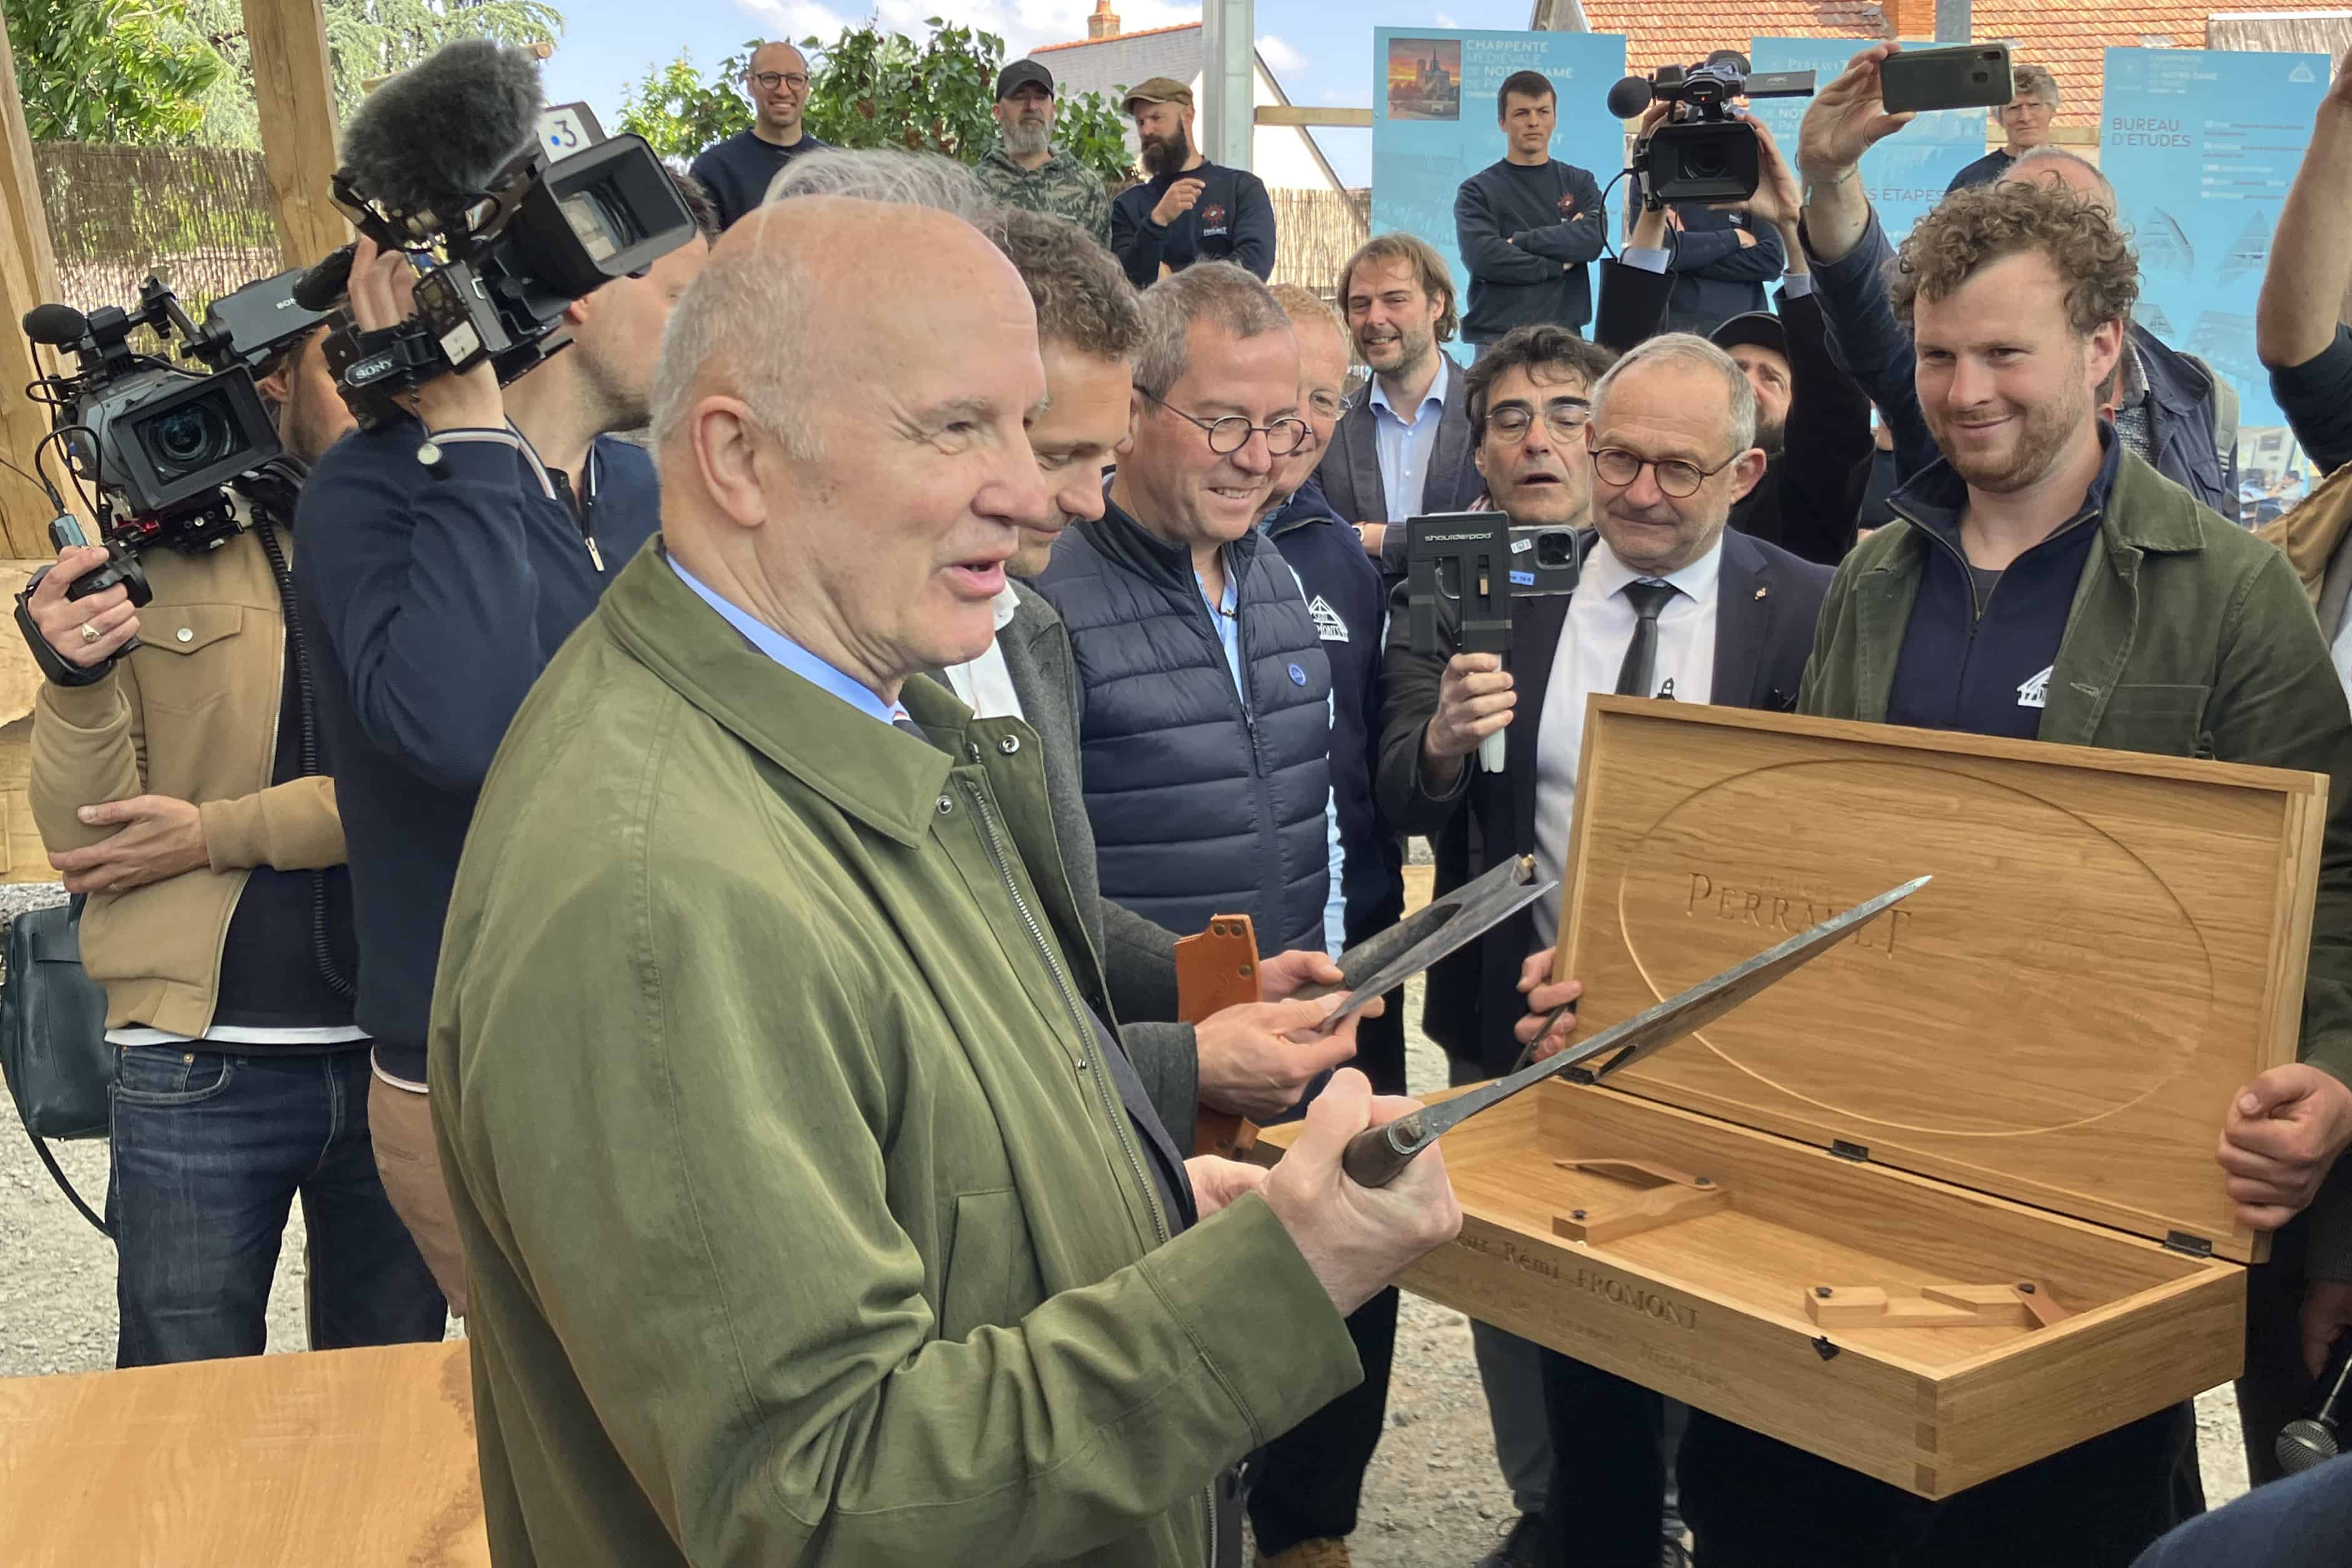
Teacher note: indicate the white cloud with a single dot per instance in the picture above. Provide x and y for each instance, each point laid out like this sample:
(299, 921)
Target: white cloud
(1280, 56)
(1446, 20)
(1021, 23)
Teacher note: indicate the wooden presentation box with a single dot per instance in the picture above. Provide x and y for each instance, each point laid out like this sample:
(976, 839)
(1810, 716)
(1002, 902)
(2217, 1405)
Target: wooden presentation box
(1944, 1201)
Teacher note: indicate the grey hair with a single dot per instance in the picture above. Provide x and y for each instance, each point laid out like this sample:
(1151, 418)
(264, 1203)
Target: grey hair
(2037, 83)
(746, 318)
(1219, 291)
(1690, 350)
(2021, 169)
(893, 179)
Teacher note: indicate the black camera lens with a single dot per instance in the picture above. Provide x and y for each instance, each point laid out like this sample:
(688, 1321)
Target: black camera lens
(1706, 160)
(193, 436)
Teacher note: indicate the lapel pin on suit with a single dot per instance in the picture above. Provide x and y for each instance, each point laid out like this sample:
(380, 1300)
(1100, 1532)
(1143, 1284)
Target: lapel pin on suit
(1762, 592)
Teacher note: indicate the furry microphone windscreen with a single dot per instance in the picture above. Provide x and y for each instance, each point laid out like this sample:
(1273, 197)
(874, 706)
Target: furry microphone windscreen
(431, 137)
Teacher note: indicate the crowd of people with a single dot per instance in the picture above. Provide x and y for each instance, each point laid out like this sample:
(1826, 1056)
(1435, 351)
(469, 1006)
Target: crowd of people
(703, 909)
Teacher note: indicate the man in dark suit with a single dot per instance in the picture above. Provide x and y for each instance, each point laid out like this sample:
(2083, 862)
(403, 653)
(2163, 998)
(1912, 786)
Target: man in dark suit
(1403, 449)
(1090, 330)
(1670, 604)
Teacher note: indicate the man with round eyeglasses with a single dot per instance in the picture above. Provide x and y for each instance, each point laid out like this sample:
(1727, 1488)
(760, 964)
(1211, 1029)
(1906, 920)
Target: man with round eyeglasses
(1653, 451)
(1204, 689)
(738, 171)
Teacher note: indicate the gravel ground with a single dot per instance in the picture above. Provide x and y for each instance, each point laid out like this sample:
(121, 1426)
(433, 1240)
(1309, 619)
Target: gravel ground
(1433, 1498)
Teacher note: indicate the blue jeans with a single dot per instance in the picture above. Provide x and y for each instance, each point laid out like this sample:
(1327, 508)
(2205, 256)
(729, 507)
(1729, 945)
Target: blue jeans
(209, 1149)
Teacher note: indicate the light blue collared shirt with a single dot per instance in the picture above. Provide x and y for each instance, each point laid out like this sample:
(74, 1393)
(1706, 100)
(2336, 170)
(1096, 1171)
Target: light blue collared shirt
(790, 653)
(1405, 445)
(1223, 614)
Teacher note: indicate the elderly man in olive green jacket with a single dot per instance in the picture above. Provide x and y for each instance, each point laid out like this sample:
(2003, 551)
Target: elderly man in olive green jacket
(812, 1214)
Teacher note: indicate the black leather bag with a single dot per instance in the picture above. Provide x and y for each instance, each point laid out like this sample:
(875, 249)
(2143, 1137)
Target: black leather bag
(53, 1048)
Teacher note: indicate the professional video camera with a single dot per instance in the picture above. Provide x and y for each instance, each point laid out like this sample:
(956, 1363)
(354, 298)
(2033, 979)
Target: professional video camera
(1477, 562)
(444, 163)
(159, 443)
(1701, 153)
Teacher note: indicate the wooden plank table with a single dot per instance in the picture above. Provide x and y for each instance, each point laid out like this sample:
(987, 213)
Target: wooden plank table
(358, 1459)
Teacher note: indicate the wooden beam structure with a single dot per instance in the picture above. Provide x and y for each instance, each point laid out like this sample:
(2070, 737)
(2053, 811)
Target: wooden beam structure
(29, 276)
(294, 91)
(1296, 114)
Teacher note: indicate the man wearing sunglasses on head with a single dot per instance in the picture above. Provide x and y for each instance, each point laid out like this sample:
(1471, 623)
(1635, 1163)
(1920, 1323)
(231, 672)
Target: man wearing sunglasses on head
(738, 171)
(1653, 451)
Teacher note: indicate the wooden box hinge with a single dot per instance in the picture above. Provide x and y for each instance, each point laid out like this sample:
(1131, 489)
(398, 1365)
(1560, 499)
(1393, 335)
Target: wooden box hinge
(2194, 1246)
(1845, 1151)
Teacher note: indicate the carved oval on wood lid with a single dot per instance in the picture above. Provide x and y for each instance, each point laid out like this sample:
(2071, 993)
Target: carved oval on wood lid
(2048, 968)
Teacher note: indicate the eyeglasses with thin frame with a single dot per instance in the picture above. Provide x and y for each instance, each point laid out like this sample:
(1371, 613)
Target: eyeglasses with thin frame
(1231, 433)
(768, 81)
(1564, 419)
(1676, 478)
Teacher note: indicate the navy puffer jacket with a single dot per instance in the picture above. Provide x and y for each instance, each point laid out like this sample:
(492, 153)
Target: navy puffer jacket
(1199, 806)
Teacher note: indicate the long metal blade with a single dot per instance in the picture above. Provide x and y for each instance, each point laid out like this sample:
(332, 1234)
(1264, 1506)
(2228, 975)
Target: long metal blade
(1378, 1154)
(1379, 965)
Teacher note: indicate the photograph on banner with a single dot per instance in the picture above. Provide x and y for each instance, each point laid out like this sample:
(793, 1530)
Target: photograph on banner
(1906, 173)
(1435, 125)
(2201, 145)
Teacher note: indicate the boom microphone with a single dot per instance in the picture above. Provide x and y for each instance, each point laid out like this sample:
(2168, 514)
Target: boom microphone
(55, 326)
(319, 288)
(431, 137)
(1630, 97)
(2319, 1435)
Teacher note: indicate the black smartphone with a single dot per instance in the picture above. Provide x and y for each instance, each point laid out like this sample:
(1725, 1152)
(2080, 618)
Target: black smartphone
(1961, 76)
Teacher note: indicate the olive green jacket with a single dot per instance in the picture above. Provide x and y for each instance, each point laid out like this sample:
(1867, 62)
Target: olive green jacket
(804, 1226)
(2190, 637)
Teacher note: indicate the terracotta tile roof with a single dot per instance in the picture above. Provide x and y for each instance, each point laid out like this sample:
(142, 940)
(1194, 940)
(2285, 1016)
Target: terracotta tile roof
(2070, 37)
(1678, 32)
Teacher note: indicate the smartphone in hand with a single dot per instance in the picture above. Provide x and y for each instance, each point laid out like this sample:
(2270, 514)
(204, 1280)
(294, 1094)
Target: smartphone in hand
(1963, 76)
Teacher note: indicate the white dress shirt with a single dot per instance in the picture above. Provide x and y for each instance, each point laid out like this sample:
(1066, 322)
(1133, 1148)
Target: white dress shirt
(1406, 447)
(985, 684)
(1592, 650)
(2340, 648)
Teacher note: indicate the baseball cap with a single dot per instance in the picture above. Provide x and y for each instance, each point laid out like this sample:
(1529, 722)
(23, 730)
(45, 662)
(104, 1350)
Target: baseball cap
(1759, 329)
(1020, 74)
(1158, 90)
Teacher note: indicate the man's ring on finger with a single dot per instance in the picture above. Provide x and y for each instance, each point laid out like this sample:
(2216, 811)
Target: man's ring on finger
(90, 632)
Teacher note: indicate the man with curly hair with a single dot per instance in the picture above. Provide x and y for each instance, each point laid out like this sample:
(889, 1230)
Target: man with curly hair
(2041, 581)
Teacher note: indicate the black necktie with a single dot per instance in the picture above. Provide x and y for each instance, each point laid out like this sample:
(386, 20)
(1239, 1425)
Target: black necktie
(1641, 664)
(903, 722)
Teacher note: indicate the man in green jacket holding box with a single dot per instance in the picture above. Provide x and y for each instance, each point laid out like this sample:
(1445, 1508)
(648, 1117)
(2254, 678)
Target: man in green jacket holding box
(812, 1214)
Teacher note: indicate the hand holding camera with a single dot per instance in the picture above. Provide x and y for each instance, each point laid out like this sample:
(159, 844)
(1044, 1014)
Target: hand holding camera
(85, 632)
(383, 294)
(1847, 119)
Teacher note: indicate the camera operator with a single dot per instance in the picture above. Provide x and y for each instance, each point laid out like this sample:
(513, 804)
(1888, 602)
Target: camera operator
(1813, 421)
(179, 789)
(456, 552)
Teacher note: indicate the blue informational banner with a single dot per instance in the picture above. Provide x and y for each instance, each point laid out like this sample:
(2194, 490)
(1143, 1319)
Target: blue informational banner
(1433, 121)
(2201, 145)
(1906, 173)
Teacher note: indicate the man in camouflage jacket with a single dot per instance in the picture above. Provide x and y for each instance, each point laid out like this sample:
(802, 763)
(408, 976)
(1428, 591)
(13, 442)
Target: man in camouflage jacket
(1024, 171)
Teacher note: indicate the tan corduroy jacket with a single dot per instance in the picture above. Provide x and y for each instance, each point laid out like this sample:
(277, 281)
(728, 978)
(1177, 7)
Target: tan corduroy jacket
(192, 713)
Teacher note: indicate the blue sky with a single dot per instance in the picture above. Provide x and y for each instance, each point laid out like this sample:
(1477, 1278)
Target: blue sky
(609, 44)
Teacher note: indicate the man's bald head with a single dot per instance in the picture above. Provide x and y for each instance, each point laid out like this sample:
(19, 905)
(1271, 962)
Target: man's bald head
(791, 283)
(840, 416)
(2058, 169)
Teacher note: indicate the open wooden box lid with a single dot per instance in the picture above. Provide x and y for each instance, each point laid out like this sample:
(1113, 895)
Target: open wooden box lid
(2113, 944)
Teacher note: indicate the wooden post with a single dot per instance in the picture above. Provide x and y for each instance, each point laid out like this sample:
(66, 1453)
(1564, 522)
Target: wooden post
(29, 276)
(294, 91)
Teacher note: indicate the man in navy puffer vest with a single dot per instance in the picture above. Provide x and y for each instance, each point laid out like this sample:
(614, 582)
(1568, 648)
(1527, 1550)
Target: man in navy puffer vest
(1204, 693)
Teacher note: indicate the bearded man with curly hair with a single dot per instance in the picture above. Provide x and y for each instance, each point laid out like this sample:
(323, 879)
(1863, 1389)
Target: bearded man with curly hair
(2041, 581)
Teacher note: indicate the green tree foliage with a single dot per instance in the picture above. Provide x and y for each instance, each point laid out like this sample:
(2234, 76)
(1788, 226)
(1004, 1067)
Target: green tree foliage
(110, 70)
(366, 39)
(872, 89)
(679, 111)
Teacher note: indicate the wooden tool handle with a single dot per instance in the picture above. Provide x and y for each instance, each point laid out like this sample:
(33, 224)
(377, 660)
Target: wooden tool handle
(1214, 970)
(1378, 1155)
